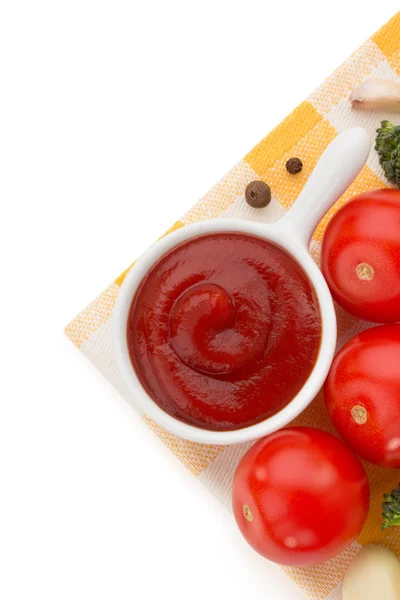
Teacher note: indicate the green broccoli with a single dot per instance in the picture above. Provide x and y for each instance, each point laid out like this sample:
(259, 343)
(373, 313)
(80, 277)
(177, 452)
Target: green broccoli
(388, 149)
(391, 509)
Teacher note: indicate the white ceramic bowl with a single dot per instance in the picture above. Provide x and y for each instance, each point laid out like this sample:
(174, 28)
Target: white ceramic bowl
(337, 168)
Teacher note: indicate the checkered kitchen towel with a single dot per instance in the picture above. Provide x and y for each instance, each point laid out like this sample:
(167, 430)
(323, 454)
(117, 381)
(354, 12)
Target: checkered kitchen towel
(305, 133)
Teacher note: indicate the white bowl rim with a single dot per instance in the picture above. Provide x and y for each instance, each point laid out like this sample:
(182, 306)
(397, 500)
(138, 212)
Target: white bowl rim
(139, 396)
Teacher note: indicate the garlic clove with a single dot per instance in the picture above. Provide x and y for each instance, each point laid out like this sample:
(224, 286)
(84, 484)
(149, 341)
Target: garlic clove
(377, 93)
(374, 574)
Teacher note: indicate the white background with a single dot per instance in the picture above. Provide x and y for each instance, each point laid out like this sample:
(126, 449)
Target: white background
(114, 117)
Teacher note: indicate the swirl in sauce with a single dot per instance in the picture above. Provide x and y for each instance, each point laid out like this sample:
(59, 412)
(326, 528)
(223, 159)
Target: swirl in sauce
(224, 331)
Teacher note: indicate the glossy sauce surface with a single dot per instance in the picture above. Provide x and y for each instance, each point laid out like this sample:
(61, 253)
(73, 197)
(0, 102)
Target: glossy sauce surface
(224, 331)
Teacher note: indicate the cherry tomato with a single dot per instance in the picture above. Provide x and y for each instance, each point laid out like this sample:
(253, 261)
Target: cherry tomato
(360, 256)
(300, 496)
(362, 394)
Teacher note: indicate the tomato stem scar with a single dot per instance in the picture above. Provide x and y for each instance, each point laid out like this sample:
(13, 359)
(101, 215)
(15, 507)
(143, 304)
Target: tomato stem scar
(365, 272)
(359, 414)
(247, 513)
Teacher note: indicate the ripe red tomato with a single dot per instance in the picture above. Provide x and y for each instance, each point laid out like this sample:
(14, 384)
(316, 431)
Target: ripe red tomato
(362, 394)
(300, 496)
(360, 256)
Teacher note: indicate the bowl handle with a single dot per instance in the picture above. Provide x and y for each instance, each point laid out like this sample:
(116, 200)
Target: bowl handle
(338, 166)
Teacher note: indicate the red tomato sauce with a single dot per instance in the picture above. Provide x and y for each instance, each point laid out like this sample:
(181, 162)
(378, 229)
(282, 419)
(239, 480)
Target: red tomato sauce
(224, 331)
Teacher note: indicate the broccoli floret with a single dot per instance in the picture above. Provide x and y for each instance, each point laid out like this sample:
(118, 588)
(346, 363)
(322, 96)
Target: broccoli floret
(388, 149)
(391, 509)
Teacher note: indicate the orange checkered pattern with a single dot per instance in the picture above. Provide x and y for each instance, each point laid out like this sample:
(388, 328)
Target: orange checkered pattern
(304, 133)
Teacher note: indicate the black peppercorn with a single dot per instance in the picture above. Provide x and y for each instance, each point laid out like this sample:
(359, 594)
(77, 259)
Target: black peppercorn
(258, 194)
(294, 166)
